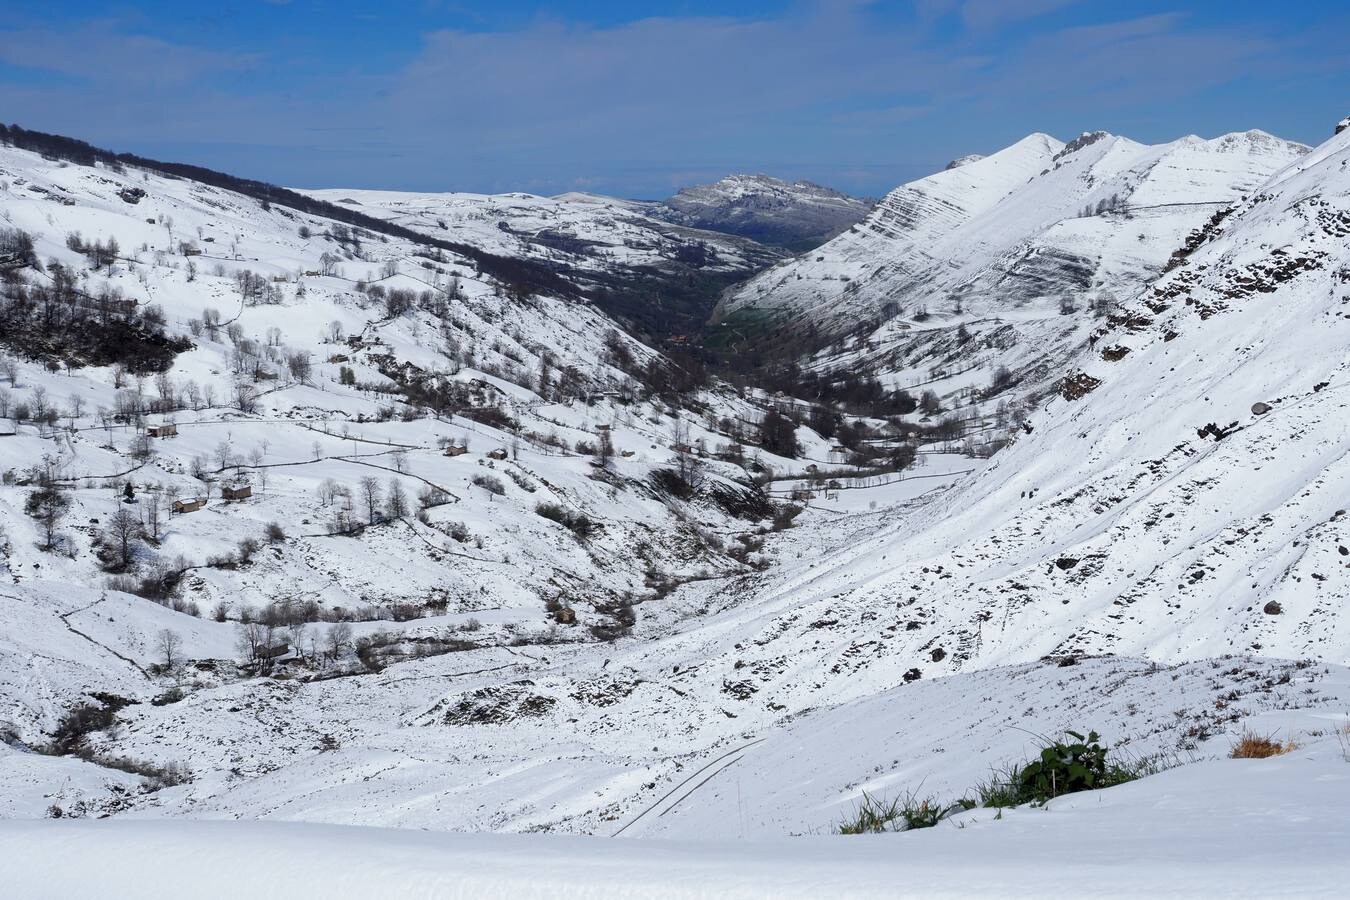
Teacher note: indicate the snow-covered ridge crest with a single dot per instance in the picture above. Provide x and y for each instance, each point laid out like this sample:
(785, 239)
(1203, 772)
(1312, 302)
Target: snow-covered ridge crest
(790, 214)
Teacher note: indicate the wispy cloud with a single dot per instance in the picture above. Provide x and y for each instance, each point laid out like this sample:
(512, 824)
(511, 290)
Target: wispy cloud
(105, 52)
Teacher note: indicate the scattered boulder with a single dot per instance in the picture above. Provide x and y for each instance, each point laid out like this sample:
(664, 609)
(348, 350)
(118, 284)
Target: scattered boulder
(1115, 353)
(1273, 608)
(1065, 563)
(1075, 387)
(939, 654)
(913, 675)
(1213, 430)
(1260, 408)
(131, 194)
(496, 705)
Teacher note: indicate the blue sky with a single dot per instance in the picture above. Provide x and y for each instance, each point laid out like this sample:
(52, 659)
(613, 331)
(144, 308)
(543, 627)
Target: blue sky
(637, 99)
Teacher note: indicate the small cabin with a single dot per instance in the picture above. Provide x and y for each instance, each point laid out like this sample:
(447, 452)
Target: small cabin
(339, 358)
(499, 453)
(237, 492)
(274, 652)
(192, 504)
(456, 450)
(167, 429)
(262, 375)
(310, 273)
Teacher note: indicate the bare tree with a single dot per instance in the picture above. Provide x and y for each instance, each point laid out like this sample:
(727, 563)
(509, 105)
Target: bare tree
(604, 449)
(339, 638)
(168, 642)
(370, 492)
(152, 508)
(295, 634)
(396, 503)
(76, 408)
(47, 504)
(255, 643)
(120, 536)
(327, 491)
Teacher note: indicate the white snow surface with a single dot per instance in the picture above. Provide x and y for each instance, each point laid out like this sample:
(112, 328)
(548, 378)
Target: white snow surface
(1233, 828)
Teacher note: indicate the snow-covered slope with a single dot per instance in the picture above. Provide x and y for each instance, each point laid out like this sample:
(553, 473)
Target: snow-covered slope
(794, 215)
(1116, 526)
(1271, 827)
(663, 277)
(1001, 261)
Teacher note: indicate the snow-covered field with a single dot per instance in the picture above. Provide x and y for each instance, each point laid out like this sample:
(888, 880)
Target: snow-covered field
(1258, 828)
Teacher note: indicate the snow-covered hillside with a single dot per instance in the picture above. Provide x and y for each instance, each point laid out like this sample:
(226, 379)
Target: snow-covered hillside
(794, 215)
(341, 376)
(665, 278)
(1007, 261)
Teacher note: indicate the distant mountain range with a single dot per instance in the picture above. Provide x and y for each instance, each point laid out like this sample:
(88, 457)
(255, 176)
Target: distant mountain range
(794, 215)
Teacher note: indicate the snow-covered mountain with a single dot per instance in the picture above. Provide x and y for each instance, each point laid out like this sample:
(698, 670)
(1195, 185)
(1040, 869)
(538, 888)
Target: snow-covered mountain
(1009, 260)
(795, 215)
(1162, 554)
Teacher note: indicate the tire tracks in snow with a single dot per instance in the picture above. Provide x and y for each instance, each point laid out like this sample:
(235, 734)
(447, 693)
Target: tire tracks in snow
(722, 763)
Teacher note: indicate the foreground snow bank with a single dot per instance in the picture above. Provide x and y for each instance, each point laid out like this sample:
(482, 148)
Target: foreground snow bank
(1246, 827)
